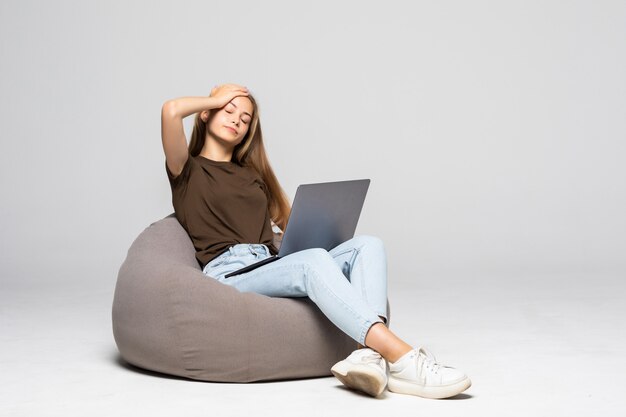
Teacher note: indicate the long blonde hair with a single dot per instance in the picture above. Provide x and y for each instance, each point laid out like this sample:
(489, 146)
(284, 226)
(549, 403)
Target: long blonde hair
(250, 152)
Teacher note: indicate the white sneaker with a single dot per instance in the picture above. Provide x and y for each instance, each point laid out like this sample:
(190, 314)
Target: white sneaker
(364, 370)
(418, 373)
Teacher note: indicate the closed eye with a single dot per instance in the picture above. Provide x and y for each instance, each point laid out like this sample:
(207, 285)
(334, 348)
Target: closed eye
(245, 122)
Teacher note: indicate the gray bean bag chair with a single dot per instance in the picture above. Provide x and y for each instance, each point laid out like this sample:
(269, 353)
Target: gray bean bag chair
(171, 318)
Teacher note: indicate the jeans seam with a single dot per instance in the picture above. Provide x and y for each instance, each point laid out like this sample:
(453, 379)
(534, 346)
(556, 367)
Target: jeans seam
(357, 252)
(353, 258)
(365, 321)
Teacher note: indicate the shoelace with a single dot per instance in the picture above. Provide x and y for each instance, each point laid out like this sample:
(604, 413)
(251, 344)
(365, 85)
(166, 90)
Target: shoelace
(427, 360)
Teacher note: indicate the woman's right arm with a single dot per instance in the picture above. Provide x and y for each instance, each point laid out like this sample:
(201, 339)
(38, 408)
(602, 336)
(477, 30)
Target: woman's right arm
(174, 111)
(172, 132)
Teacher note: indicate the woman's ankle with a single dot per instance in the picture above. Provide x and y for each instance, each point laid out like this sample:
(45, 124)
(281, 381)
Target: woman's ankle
(395, 356)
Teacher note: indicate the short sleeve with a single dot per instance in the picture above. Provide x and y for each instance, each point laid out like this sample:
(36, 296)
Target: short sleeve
(183, 177)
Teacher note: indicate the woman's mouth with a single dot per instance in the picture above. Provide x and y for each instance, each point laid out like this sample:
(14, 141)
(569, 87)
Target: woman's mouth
(231, 129)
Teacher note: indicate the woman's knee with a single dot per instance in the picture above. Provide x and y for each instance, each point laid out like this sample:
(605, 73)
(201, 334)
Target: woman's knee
(314, 257)
(370, 241)
(317, 261)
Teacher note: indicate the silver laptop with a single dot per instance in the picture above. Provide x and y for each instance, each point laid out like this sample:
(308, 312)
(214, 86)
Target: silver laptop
(323, 215)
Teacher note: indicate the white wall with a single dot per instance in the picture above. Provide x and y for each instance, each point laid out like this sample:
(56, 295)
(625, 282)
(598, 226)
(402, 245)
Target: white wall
(493, 132)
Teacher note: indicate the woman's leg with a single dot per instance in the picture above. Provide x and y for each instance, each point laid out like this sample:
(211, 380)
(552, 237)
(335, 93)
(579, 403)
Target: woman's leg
(363, 261)
(385, 342)
(310, 272)
(313, 273)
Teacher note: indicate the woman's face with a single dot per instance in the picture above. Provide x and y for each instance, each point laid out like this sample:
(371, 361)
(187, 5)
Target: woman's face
(231, 122)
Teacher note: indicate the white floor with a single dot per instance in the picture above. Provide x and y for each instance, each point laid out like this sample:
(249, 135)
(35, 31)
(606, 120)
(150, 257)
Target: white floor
(548, 345)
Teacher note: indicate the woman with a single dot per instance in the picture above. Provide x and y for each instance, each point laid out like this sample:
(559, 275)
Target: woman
(225, 192)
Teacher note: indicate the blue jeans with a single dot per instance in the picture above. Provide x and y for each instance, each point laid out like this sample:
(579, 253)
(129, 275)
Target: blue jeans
(347, 283)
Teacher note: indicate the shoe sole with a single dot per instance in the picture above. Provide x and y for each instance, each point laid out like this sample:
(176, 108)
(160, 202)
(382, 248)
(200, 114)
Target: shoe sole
(401, 386)
(360, 377)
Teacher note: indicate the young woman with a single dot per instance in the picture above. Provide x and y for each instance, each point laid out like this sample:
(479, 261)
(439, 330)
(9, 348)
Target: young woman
(225, 192)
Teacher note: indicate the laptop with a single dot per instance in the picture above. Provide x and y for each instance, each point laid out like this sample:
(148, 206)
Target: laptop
(323, 215)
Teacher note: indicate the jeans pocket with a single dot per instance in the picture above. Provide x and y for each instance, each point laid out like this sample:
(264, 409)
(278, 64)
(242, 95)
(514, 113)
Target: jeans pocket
(220, 261)
(216, 263)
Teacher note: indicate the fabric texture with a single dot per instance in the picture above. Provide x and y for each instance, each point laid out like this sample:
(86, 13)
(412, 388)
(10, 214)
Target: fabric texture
(168, 317)
(220, 204)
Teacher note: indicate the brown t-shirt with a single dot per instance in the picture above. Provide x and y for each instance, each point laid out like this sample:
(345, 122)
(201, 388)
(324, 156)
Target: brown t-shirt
(220, 204)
